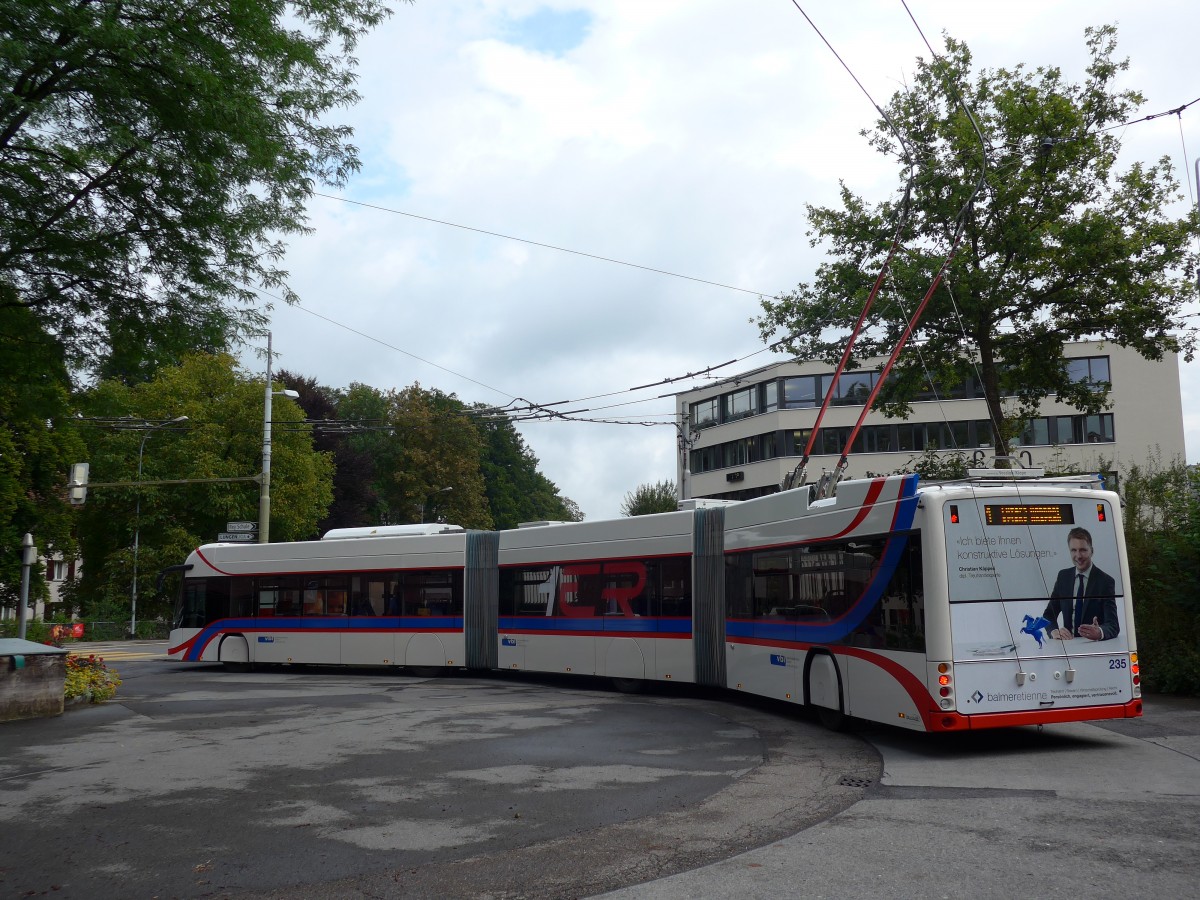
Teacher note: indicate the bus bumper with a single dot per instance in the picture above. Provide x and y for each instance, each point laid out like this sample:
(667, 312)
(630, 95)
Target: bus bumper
(952, 721)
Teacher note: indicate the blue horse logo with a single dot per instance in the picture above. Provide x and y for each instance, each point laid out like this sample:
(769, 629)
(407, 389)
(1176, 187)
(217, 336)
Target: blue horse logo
(1034, 627)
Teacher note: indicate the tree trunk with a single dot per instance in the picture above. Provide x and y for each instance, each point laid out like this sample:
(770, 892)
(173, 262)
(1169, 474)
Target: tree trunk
(991, 393)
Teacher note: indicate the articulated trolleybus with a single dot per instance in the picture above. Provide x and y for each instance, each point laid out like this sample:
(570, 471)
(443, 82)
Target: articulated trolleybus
(942, 606)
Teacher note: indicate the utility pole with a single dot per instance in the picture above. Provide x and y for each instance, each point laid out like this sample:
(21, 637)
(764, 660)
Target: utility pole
(264, 494)
(686, 437)
(28, 558)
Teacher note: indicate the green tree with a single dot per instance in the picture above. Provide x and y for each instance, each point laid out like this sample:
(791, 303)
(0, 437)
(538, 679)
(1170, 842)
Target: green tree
(1162, 536)
(222, 438)
(421, 442)
(934, 466)
(37, 447)
(516, 491)
(153, 156)
(1058, 244)
(660, 496)
(355, 499)
(437, 447)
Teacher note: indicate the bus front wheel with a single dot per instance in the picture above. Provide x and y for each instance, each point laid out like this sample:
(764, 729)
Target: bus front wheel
(833, 719)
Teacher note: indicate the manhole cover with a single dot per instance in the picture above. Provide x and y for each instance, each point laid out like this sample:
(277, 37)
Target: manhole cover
(854, 781)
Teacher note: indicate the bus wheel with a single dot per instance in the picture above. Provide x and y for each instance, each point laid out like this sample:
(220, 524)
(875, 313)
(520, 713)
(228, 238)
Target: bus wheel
(628, 685)
(833, 719)
(238, 666)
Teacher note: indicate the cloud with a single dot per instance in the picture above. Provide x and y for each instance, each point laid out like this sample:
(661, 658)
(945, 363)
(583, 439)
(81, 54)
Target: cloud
(683, 136)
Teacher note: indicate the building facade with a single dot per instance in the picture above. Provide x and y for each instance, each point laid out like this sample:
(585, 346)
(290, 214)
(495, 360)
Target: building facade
(58, 572)
(748, 432)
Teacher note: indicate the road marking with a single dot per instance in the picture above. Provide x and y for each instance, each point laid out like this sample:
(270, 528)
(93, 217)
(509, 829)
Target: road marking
(115, 651)
(115, 655)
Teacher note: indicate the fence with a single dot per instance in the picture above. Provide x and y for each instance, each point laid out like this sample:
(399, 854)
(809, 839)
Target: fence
(85, 631)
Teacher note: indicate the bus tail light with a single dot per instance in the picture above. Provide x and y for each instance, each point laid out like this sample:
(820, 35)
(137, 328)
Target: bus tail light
(945, 680)
(1101, 514)
(953, 514)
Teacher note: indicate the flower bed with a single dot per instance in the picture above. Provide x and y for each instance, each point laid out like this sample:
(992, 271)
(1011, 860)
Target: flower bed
(90, 678)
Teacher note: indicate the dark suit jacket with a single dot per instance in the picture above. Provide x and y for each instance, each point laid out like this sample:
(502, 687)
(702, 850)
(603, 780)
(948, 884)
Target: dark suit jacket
(1099, 602)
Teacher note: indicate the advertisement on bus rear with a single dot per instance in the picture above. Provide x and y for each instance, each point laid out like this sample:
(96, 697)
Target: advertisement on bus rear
(1036, 604)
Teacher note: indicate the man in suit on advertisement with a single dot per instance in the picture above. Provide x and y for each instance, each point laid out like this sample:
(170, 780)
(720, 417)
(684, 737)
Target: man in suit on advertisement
(1084, 595)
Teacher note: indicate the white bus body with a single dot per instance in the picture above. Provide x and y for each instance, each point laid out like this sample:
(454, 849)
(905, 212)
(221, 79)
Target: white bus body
(925, 607)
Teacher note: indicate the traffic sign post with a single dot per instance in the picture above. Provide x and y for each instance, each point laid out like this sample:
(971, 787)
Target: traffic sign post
(234, 537)
(241, 526)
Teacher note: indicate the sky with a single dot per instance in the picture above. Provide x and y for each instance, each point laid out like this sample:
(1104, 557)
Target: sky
(678, 135)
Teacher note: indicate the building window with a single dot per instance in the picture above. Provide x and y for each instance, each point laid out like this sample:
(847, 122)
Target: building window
(983, 433)
(947, 435)
(1089, 369)
(769, 400)
(1037, 432)
(853, 388)
(1069, 430)
(1098, 429)
(802, 392)
(833, 440)
(739, 404)
(706, 413)
(874, 439)
(799, 440)
(705, 459)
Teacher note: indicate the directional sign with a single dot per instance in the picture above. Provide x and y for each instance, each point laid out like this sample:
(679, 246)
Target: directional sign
(241, 526)
(233, 537)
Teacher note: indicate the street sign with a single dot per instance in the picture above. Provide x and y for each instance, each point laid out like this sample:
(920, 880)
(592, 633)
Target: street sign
(233, 537)
(241, 526)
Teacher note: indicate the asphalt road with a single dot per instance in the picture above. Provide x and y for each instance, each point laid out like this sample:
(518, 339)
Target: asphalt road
(320, 783)
(1109, 809)
(196, 782)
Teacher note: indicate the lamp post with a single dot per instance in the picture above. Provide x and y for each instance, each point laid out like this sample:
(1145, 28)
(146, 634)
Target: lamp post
(425, 502)
(137, 519)
(264, 493)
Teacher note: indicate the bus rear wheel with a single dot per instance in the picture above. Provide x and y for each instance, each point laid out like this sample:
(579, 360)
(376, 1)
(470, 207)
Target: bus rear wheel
(628, 685)
(833, 719)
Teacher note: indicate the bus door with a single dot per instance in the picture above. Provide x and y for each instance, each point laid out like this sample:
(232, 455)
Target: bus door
(1029, 634)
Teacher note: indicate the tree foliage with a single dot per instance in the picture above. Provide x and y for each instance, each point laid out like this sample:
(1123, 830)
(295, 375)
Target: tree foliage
(153, 155)
(396, 452)
(1058, 245)
(222, 438)
(1162, 536)
(656, 497)
(37, 447)
(355, 498)
(516, 491)
(420, 442)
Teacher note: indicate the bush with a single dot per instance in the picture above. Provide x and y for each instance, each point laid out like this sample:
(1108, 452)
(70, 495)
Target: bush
(1162, 534)
(933, 465)
(89, 677)
(35, 630)
(651, 498)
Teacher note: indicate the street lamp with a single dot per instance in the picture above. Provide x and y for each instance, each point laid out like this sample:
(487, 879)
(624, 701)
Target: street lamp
(264, 493)
(137, 518)
(425, 502)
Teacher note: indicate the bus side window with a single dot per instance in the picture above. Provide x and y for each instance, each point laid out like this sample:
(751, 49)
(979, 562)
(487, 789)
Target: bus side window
(192, 614)
(241, 597)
